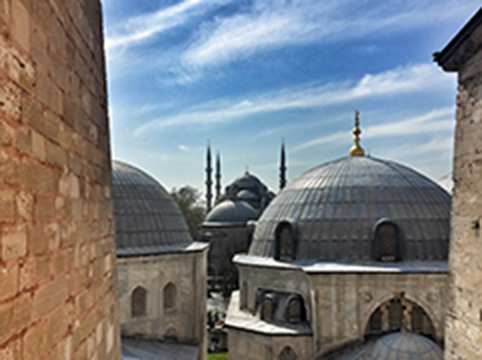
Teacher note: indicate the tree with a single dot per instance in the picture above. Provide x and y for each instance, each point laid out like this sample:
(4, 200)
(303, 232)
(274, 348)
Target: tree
(189, 201)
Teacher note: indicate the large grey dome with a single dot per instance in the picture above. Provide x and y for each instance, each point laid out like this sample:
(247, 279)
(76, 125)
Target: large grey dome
(147, 219)
(334, 208)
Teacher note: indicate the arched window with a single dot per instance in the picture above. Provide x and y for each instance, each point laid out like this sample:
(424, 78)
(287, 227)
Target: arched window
(267, 309)
(399, 313)
(138, 302)
(387, 241)
(295, 311)
(170, 335)
(169, 296)
(285, 243)
(287, 354)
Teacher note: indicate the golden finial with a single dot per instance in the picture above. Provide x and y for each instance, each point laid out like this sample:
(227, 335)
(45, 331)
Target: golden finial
(357, 150)
(247, 170)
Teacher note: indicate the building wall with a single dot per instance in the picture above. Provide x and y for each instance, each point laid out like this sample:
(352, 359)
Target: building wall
(345, 302)
(187, 271)
(338, 305)
(464, 316)
(57, 270)
(251, 346)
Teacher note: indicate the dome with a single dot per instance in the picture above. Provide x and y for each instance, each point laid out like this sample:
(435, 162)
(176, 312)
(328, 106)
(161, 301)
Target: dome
(246, 195)
(147, 220)
(231, 212)
(334, 209)
(248, 181)
(405, 345)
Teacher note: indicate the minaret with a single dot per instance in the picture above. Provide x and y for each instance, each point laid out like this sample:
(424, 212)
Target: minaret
(218, 176)
(282, 167)
(209, 182)
(357, 150)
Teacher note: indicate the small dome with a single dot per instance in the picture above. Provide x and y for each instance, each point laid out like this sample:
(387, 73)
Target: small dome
(147, 219)
(334, 208)
(405, 345)
(246, 195)
(231, 212)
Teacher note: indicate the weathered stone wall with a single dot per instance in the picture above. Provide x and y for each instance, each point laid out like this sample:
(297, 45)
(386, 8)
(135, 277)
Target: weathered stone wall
(252, 346)
(464, 316)
(345, 302)
(187, 271)
(57, 267)
(338, 305)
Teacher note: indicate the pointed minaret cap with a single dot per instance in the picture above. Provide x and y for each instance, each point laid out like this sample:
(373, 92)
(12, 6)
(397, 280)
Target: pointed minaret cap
(356, 149)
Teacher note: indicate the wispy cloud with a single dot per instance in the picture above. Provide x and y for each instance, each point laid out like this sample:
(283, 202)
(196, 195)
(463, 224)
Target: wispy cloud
(431, 122)
(416, 78)
(143, 27)
(271, 24)
(183, 147)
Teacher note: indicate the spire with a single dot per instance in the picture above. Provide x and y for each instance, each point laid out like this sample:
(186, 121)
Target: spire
(282, 167)
(356, 149)
(218, 176)
(209, 182)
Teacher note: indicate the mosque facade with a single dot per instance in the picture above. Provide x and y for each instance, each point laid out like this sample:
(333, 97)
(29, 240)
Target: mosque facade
(161, 271)
(348, 259)
(227, 226)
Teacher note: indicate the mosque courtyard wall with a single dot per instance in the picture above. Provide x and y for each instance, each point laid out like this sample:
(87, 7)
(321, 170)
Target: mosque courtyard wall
(58, 294)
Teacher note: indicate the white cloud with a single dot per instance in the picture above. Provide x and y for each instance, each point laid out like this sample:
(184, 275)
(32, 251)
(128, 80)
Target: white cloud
(431, 122)
(183, 147)
(271, 24)
(402, 80)
(143, 27)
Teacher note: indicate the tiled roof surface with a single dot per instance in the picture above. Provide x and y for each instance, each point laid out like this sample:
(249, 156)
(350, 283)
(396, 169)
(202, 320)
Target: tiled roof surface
(335, 206)
(147, 219)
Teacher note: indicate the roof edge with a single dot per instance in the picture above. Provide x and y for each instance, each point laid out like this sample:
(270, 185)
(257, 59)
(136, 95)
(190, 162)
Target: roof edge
(444, 56)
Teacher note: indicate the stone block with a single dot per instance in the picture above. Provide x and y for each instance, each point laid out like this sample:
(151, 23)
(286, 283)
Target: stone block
(20, 24)
(7, 134)
(34, 343)
(44, 209)
(24, 205)
(14, 242)
(8, 280)
(7, 205)
(50, 296)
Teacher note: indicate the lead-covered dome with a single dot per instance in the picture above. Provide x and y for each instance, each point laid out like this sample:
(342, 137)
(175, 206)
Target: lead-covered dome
(147, 219)
(334, 212)
(231, 212)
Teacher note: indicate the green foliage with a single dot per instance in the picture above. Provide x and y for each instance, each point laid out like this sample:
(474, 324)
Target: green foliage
(189, 201)
(218, 356)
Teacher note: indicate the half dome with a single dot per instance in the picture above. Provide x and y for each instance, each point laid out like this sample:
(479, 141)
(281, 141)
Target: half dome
(147, 220)
(334, 209)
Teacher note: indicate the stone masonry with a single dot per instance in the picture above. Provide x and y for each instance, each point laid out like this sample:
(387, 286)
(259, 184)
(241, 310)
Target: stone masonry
(57, 259)
(463, 331)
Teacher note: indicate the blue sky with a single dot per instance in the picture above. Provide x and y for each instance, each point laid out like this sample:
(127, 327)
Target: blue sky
(245, 74)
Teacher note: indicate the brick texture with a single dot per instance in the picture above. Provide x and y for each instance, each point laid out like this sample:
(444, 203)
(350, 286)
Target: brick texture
(58, 295)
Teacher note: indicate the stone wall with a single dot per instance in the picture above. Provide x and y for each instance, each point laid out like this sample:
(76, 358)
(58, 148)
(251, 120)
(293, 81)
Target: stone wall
(57, 266)
(345, 302)
(464, 317)
(187, 272)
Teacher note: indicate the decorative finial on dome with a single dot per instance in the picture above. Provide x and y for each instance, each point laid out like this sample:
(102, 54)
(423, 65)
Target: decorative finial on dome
(356, 149)
(247, 170)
